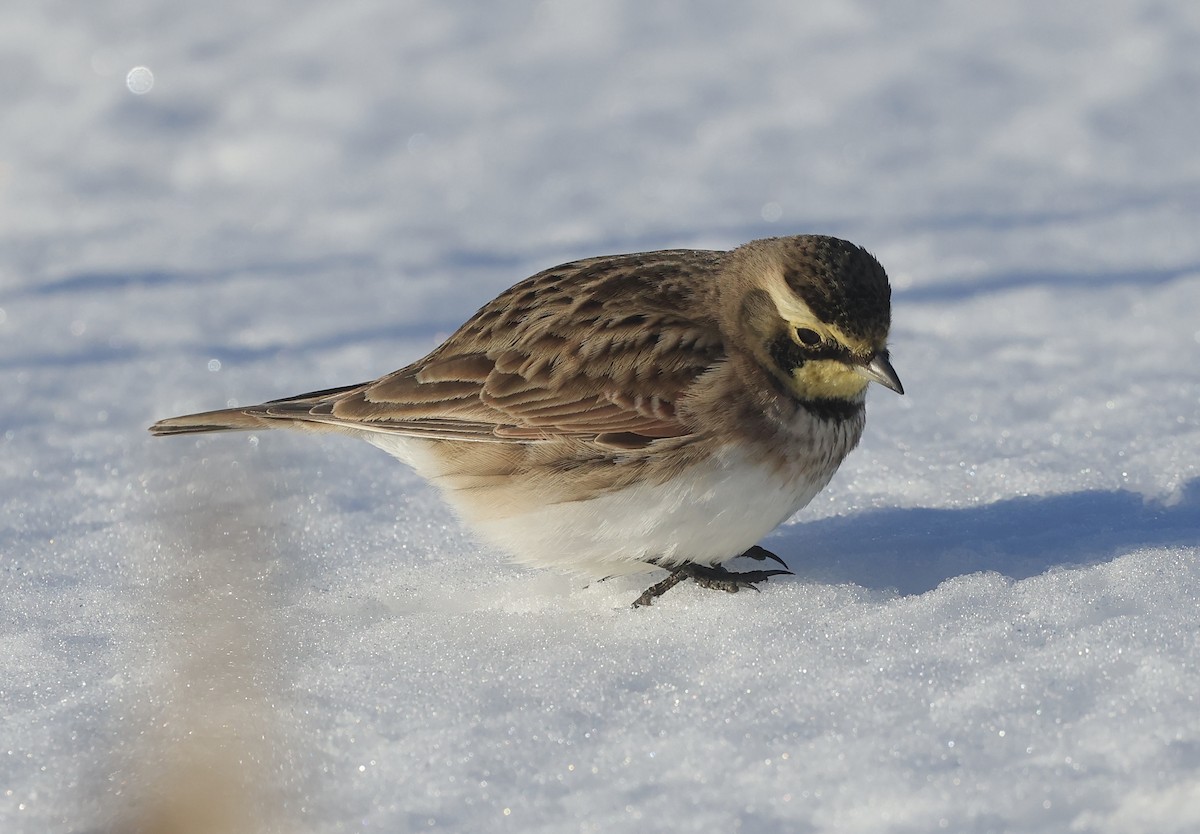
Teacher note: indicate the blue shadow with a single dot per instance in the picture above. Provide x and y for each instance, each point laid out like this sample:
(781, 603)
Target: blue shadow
(914, 550)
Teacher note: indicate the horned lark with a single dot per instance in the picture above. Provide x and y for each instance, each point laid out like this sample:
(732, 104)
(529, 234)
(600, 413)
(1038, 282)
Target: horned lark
(631, 412)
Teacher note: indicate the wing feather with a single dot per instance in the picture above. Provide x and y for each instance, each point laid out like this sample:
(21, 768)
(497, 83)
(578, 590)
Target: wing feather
(604, 350)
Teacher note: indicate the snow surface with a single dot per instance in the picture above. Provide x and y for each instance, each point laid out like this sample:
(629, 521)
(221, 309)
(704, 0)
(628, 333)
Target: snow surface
(993, 627)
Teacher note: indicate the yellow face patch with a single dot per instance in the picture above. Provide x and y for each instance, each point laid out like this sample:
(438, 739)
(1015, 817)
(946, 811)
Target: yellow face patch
(827, 379)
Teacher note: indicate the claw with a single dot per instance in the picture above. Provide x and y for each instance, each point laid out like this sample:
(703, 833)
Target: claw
(761, 553)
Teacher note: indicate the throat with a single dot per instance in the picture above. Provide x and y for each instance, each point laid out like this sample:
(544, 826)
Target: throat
(835, 408)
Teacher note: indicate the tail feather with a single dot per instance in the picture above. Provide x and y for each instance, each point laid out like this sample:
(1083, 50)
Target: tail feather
(276, 414)
(227, 419)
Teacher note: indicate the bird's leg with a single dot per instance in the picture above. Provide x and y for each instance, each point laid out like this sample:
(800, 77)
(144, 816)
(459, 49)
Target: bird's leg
(715, 577)
(659, 588)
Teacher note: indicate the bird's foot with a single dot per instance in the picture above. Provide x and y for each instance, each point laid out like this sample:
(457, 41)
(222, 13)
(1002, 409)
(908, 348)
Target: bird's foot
(717, 578)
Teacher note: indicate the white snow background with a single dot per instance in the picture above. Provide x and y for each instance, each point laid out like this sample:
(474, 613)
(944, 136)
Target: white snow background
(993, 623)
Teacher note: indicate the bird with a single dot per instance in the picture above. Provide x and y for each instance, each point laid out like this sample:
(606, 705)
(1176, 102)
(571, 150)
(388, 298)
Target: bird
(627, 413)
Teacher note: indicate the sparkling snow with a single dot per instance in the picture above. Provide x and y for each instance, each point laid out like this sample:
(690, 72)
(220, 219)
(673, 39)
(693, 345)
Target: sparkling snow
(994, 622)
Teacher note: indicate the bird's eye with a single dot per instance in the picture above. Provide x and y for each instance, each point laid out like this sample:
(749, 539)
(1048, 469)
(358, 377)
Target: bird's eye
(808, 338)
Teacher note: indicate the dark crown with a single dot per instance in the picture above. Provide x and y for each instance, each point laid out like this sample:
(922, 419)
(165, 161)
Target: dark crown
(842, 284)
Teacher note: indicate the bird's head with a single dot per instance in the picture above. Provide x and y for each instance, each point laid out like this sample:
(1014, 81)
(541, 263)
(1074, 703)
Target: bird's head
(816, 312)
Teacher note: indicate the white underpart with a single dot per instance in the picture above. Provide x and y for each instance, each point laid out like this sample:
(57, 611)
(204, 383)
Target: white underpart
(712, 515)
(707, 517)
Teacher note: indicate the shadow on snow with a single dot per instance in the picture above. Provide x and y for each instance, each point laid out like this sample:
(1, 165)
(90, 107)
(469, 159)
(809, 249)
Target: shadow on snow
(914, 550)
